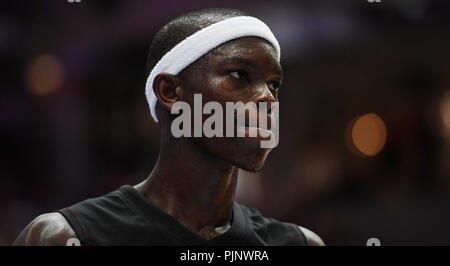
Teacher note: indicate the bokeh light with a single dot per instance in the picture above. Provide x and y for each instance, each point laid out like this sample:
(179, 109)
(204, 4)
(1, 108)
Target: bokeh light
(45, 74)
(445, 114)
(368, 135)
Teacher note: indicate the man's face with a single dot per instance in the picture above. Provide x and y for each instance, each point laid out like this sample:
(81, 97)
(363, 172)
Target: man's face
(243, 70)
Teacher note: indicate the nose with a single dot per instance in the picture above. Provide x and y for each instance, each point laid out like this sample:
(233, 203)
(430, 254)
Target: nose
(264, 95)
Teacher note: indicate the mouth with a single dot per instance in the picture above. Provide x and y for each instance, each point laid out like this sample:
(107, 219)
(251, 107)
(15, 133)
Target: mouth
(250, 127)
(261, 132)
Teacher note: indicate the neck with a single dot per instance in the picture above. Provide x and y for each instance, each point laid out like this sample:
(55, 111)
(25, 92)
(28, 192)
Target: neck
(195, 188)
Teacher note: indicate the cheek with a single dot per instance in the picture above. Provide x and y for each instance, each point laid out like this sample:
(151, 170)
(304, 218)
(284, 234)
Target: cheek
(215, 89)
(222, 88)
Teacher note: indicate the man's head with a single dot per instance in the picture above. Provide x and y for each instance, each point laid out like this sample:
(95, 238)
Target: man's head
(244, 69)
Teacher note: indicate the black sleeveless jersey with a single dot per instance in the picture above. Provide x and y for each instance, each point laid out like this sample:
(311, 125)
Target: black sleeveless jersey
(125, 217)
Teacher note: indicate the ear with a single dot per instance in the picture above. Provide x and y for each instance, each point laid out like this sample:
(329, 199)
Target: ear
(167, 89)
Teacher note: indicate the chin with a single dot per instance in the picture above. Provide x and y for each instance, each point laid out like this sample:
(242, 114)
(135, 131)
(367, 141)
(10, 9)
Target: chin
(253, 162)
(252, 169)
(244, 153)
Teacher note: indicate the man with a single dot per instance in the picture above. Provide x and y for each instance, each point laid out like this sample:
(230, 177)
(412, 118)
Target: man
(189, 198)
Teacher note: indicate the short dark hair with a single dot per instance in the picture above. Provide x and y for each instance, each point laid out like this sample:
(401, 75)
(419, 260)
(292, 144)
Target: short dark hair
(182, 27)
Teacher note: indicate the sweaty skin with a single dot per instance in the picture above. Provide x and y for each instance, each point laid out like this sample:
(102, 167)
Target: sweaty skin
(194, 179)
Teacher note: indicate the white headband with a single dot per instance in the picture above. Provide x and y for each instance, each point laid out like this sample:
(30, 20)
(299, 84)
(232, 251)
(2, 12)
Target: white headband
(203, 41)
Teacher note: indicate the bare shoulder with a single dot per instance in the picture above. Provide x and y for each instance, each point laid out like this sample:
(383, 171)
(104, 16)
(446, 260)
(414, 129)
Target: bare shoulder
(312, 238)
(49, 229)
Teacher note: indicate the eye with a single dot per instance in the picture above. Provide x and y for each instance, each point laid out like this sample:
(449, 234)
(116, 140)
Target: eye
(239, 74)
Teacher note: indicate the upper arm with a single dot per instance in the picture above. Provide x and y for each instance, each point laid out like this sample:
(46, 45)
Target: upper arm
(312, 238)
(50, 229)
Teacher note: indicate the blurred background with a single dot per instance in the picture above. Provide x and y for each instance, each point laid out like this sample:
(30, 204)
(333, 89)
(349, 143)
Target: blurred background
(365, 112)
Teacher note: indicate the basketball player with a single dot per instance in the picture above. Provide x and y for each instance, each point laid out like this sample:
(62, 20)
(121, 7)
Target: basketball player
(189, 197)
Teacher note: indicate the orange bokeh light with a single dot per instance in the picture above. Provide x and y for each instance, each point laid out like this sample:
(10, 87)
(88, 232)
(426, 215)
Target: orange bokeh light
(368, 134)
(45, 74)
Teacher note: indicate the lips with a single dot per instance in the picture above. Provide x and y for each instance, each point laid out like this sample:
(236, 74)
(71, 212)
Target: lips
(250, 122)
(264, 133)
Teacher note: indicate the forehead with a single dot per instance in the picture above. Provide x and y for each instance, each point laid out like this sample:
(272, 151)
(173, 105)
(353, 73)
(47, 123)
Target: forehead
(254, 49)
